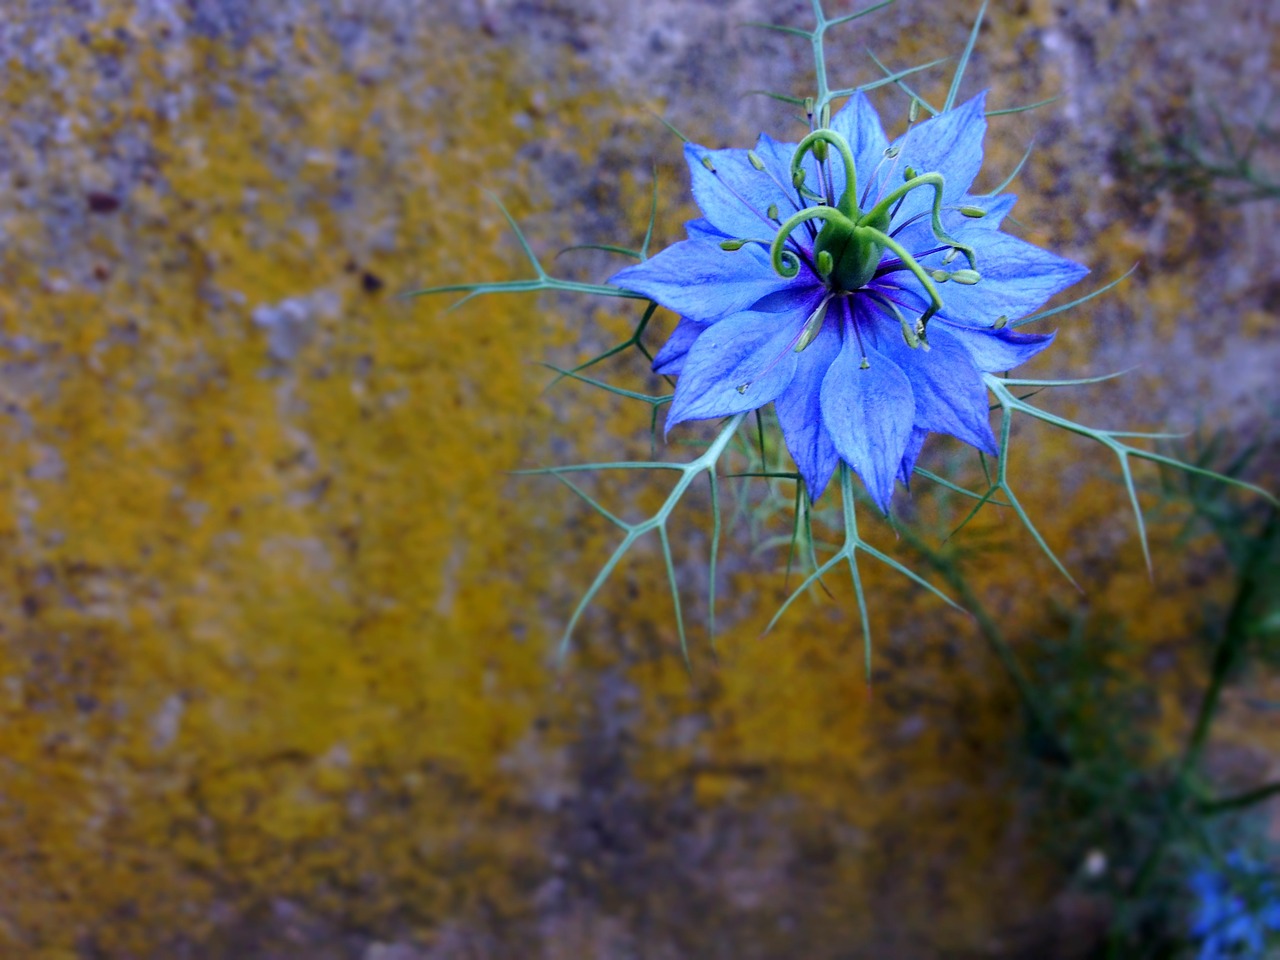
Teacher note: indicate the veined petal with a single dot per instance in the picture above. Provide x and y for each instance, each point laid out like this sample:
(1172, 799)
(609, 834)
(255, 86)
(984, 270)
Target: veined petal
(949, 393)
(993, 351)
(869, 414)
(909, 457)
(799, 409)
(735, 198)
(704, 229)
(698, 280)
(741, 363)
(949, 144)
(670, 359)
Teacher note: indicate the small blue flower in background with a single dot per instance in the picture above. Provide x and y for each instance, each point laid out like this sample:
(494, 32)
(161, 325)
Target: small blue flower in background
(823, 278)
(1239, 908)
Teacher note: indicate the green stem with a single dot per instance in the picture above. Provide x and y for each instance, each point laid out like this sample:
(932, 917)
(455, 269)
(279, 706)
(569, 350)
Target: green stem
(1240, 800)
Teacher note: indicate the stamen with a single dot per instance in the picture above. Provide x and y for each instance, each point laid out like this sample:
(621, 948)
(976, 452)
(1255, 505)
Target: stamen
(825, 263)
(909, 334)
(857, 334)
(710, 165)
(812, 326)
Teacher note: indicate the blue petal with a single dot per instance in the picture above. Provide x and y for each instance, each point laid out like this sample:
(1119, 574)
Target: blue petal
(869, 414)
(859, 124)
(800, 412)
(698, 280)
(949, 144)
(704, 229)
(993, 351)
(753, 348)
(1017, 278)
(911, 455)
(734, 198)
(670, 359)
(948, 389)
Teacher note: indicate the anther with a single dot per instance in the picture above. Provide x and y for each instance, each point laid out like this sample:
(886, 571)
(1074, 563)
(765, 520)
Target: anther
(967, 277)
(865, 365)
(820, 150)
(826, 115)
(772, 212)
(732, 245)
(974, 213)
(797, 179)
(891, 153)
(755, 160)
(939, 276)
(825, 263)
(913, 114)
(707, 162)
(949, 256)
(812, 326)
(909, 173)
(1000, 322)
(808, 109)
(743, 387)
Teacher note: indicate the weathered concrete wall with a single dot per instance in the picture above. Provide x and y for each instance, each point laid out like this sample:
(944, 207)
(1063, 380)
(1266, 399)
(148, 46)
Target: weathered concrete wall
(275, 629)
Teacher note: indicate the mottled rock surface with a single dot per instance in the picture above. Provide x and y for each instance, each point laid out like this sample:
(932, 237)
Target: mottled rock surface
(276, 632)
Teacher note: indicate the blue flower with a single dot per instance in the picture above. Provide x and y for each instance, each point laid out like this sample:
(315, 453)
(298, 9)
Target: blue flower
(1238, 907)
(824, 278)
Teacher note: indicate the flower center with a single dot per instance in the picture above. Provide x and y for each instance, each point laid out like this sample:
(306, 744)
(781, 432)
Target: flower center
(849, 249)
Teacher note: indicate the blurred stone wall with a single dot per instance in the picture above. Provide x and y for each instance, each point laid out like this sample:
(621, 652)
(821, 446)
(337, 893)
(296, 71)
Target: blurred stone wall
(277, 630)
